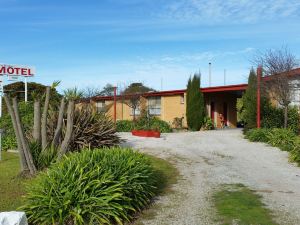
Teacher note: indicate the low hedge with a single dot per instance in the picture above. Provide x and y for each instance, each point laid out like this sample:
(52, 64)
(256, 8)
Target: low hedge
(92, 187)
(285, 139)
(124, 125)
(143, 123)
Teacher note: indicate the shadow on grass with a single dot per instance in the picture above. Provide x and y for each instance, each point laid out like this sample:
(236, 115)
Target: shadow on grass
(237, 204)
(166, 175)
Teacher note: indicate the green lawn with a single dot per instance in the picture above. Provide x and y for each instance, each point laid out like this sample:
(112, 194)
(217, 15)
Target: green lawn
(242, 205)
(11, 185)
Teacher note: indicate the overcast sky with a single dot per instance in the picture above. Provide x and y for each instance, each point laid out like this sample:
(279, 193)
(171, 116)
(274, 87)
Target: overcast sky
(91, 43)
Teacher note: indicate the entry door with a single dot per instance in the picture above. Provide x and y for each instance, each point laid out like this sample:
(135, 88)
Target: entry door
(225, 108)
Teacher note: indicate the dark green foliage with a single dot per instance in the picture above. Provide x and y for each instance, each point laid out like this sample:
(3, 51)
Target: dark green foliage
(276, 137)
(16, 89)
(42, 158)
(295, 153)
(9, 142)
(135, 88)
(249, 101)
(92, 130)
(285, 139)
(124, 126)
(195, 108)
(257, 135)
(92, 187)
(282, 138)
(26, 114)
(145, 122)
(273, 117)
(208, 124)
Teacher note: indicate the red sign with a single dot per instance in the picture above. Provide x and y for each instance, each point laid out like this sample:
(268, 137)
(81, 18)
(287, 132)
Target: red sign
(16, 70)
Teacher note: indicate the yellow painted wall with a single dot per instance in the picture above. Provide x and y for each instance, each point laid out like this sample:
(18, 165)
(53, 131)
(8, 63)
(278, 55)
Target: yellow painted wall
(172, 107)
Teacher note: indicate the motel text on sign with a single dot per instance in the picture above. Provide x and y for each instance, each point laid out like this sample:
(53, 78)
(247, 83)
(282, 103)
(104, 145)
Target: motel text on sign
(16, 70)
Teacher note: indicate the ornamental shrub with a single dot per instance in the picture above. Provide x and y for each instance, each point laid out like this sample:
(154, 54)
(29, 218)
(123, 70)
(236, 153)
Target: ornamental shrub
(145, 122)
(208, 124)
(276, 137)
(257, 135)
(195, 108)
(124, 125)
(281, 138)
(92, 187)
(160, 125)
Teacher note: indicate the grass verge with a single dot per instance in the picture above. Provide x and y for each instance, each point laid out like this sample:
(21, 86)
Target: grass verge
(237, 204)
(11, 185)
(166, 175)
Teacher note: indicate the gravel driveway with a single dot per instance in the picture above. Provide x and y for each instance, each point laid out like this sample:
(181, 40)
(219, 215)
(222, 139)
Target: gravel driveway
(209, 159)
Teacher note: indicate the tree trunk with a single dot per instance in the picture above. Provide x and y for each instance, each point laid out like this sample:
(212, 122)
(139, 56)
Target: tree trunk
(69, 130)
(23, 162)
(134, 114)
(57, 133)
(24, 141)
(37, 121)
(44, 118)
(286, 108)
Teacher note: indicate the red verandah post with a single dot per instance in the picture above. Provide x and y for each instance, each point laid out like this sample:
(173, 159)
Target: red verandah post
(115, 104)
(259, 75)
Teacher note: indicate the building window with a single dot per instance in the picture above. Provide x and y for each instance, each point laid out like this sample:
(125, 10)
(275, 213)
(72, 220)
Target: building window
(100, 107)
(137, 111)
(154, 105)
(181, 99)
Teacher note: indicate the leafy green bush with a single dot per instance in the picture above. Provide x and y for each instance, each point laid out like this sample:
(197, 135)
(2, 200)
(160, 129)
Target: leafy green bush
(282, 138)
(273, 117)
(144, 123)
(208, 124)
(257, 135)
(160, 125)
(295, 153)
(124, 125)
(26, 114)
(92, 187)
(277, 137)
(9, 142)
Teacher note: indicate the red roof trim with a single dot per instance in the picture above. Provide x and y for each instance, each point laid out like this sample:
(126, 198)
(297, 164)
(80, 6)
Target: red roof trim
(239, 87)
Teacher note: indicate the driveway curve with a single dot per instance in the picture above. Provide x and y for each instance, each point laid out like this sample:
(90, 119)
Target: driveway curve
(208, 159)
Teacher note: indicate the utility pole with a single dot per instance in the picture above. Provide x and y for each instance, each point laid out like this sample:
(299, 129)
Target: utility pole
(259, 75)
(224, 77)
(209, 74)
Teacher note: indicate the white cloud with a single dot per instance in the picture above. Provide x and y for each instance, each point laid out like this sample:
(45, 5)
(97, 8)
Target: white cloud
(230, 11)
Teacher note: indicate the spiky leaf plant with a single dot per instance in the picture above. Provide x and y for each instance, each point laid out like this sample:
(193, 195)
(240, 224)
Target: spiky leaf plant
(92, 187)
(92, 130)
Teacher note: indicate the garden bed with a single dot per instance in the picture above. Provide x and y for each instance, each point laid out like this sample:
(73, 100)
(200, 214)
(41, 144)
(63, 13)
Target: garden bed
(146, 133)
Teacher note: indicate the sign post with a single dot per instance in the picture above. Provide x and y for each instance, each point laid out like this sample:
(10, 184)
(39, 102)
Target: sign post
(13, 72)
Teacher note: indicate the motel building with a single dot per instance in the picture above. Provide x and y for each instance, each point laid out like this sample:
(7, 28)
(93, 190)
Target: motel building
(167, 105)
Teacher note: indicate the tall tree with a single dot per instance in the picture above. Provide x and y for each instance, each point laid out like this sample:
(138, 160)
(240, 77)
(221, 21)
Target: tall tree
(195, 108)
(276, 65)
(131, 96)
(249, 101)
(107, 90)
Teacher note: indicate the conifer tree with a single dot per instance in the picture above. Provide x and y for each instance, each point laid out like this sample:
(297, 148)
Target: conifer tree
(195, 108)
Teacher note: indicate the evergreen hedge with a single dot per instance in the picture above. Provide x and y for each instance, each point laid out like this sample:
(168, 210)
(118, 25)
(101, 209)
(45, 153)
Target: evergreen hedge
(195, 109)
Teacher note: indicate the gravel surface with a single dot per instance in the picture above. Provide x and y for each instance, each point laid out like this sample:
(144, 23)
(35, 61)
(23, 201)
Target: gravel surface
(209, 159)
